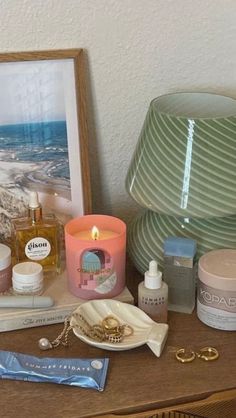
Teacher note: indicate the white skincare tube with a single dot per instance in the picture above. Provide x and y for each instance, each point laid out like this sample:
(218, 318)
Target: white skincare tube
(32, 302)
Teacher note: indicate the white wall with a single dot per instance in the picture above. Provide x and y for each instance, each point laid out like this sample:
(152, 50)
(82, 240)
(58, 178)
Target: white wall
(136, 50)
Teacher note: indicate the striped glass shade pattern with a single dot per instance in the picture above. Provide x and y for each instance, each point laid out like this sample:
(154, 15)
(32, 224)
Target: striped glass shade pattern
(148, 231)
(185, 160)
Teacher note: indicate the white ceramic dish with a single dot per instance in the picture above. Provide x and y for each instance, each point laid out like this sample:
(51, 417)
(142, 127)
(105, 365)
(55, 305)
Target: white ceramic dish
(146, 331)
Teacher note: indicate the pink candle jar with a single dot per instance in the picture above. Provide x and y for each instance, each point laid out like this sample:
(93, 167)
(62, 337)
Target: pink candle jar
(95, 256)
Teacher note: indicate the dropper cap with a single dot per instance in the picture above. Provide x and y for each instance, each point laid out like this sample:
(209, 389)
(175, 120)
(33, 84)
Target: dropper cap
(34, 209)
(153, 277)
(34, 200)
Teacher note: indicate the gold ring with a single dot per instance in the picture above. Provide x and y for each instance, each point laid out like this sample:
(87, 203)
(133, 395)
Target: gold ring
(127, 330)
(115, 338)
(208, 354)
(185, 356)
(110, 322)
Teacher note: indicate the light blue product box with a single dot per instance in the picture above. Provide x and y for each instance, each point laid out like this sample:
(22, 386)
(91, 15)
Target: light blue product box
(179, 273)
(180, 247)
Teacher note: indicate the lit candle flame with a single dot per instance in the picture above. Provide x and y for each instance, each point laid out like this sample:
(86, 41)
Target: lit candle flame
(95, 233)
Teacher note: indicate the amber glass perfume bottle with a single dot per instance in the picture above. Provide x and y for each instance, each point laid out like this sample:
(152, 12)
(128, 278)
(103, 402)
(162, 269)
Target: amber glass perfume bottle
(35, 237)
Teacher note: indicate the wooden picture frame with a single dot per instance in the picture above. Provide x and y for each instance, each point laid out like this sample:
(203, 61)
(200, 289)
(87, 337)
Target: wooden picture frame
(43, 133)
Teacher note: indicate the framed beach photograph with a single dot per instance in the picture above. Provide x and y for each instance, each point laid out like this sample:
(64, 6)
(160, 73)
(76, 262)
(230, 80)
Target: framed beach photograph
(43, 134)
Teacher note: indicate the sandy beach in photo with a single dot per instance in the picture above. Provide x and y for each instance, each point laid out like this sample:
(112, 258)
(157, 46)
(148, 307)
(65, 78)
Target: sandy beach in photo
(21, 177)
(17, 179)
(34, 143)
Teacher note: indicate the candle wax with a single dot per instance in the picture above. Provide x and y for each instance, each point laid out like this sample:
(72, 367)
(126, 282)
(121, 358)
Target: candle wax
(103, 234)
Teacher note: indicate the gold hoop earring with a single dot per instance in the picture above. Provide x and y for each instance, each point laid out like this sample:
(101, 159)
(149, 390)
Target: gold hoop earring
(208, 354)
(185, 356)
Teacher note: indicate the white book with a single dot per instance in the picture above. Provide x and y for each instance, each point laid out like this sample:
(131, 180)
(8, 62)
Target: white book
(64, 304)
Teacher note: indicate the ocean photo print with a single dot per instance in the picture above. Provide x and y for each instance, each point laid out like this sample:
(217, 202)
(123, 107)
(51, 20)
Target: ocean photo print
(33, 139)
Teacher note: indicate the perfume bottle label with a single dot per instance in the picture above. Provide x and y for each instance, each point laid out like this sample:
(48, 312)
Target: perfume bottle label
(177, 261)
(37, 248)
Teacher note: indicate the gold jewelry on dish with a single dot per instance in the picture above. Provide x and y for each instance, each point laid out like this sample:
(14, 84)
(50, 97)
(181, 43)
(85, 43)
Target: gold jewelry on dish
(116, 337)
(208, 354)
(109, 330)
(127, 330)
(110, 322)
(185, 356)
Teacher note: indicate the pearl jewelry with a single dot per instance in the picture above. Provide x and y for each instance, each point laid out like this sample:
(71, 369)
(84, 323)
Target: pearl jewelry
(44, 344)
(109, 330)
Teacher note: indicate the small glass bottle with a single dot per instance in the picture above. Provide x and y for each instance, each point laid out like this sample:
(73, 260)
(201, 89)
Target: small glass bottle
(35, 237)
(153, 294)
(180, 273)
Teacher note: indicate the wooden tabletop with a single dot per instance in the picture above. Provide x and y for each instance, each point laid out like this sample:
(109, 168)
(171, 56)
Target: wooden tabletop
(136, 379)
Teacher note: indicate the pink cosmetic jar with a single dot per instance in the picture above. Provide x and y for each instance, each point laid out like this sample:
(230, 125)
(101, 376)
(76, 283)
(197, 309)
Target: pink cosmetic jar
(5, 268)
(216, 300)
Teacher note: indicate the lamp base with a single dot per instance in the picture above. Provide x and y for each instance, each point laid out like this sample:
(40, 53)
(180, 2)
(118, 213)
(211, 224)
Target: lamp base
(148, 231)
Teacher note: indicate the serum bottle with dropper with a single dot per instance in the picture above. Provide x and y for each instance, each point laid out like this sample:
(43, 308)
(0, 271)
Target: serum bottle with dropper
(153, 294)
(36, 237)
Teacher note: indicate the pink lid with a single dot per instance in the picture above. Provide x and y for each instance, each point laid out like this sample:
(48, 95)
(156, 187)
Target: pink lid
(218, 269)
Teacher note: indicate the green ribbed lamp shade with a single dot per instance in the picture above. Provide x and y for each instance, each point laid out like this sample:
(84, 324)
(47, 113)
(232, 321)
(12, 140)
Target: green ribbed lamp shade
(185, 160)
(148, 231)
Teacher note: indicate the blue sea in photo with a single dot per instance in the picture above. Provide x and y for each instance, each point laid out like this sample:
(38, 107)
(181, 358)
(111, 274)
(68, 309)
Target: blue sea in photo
(33, 157)
(36, 143)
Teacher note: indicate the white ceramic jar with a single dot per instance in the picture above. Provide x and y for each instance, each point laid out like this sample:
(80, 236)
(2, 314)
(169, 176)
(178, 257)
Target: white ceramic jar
(27, 278)
(216, 301)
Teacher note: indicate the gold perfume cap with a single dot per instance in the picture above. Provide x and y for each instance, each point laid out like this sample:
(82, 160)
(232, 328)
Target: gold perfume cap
(34, 209)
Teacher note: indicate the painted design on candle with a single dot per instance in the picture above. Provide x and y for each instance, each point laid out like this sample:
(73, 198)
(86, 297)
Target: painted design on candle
(96, 272)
